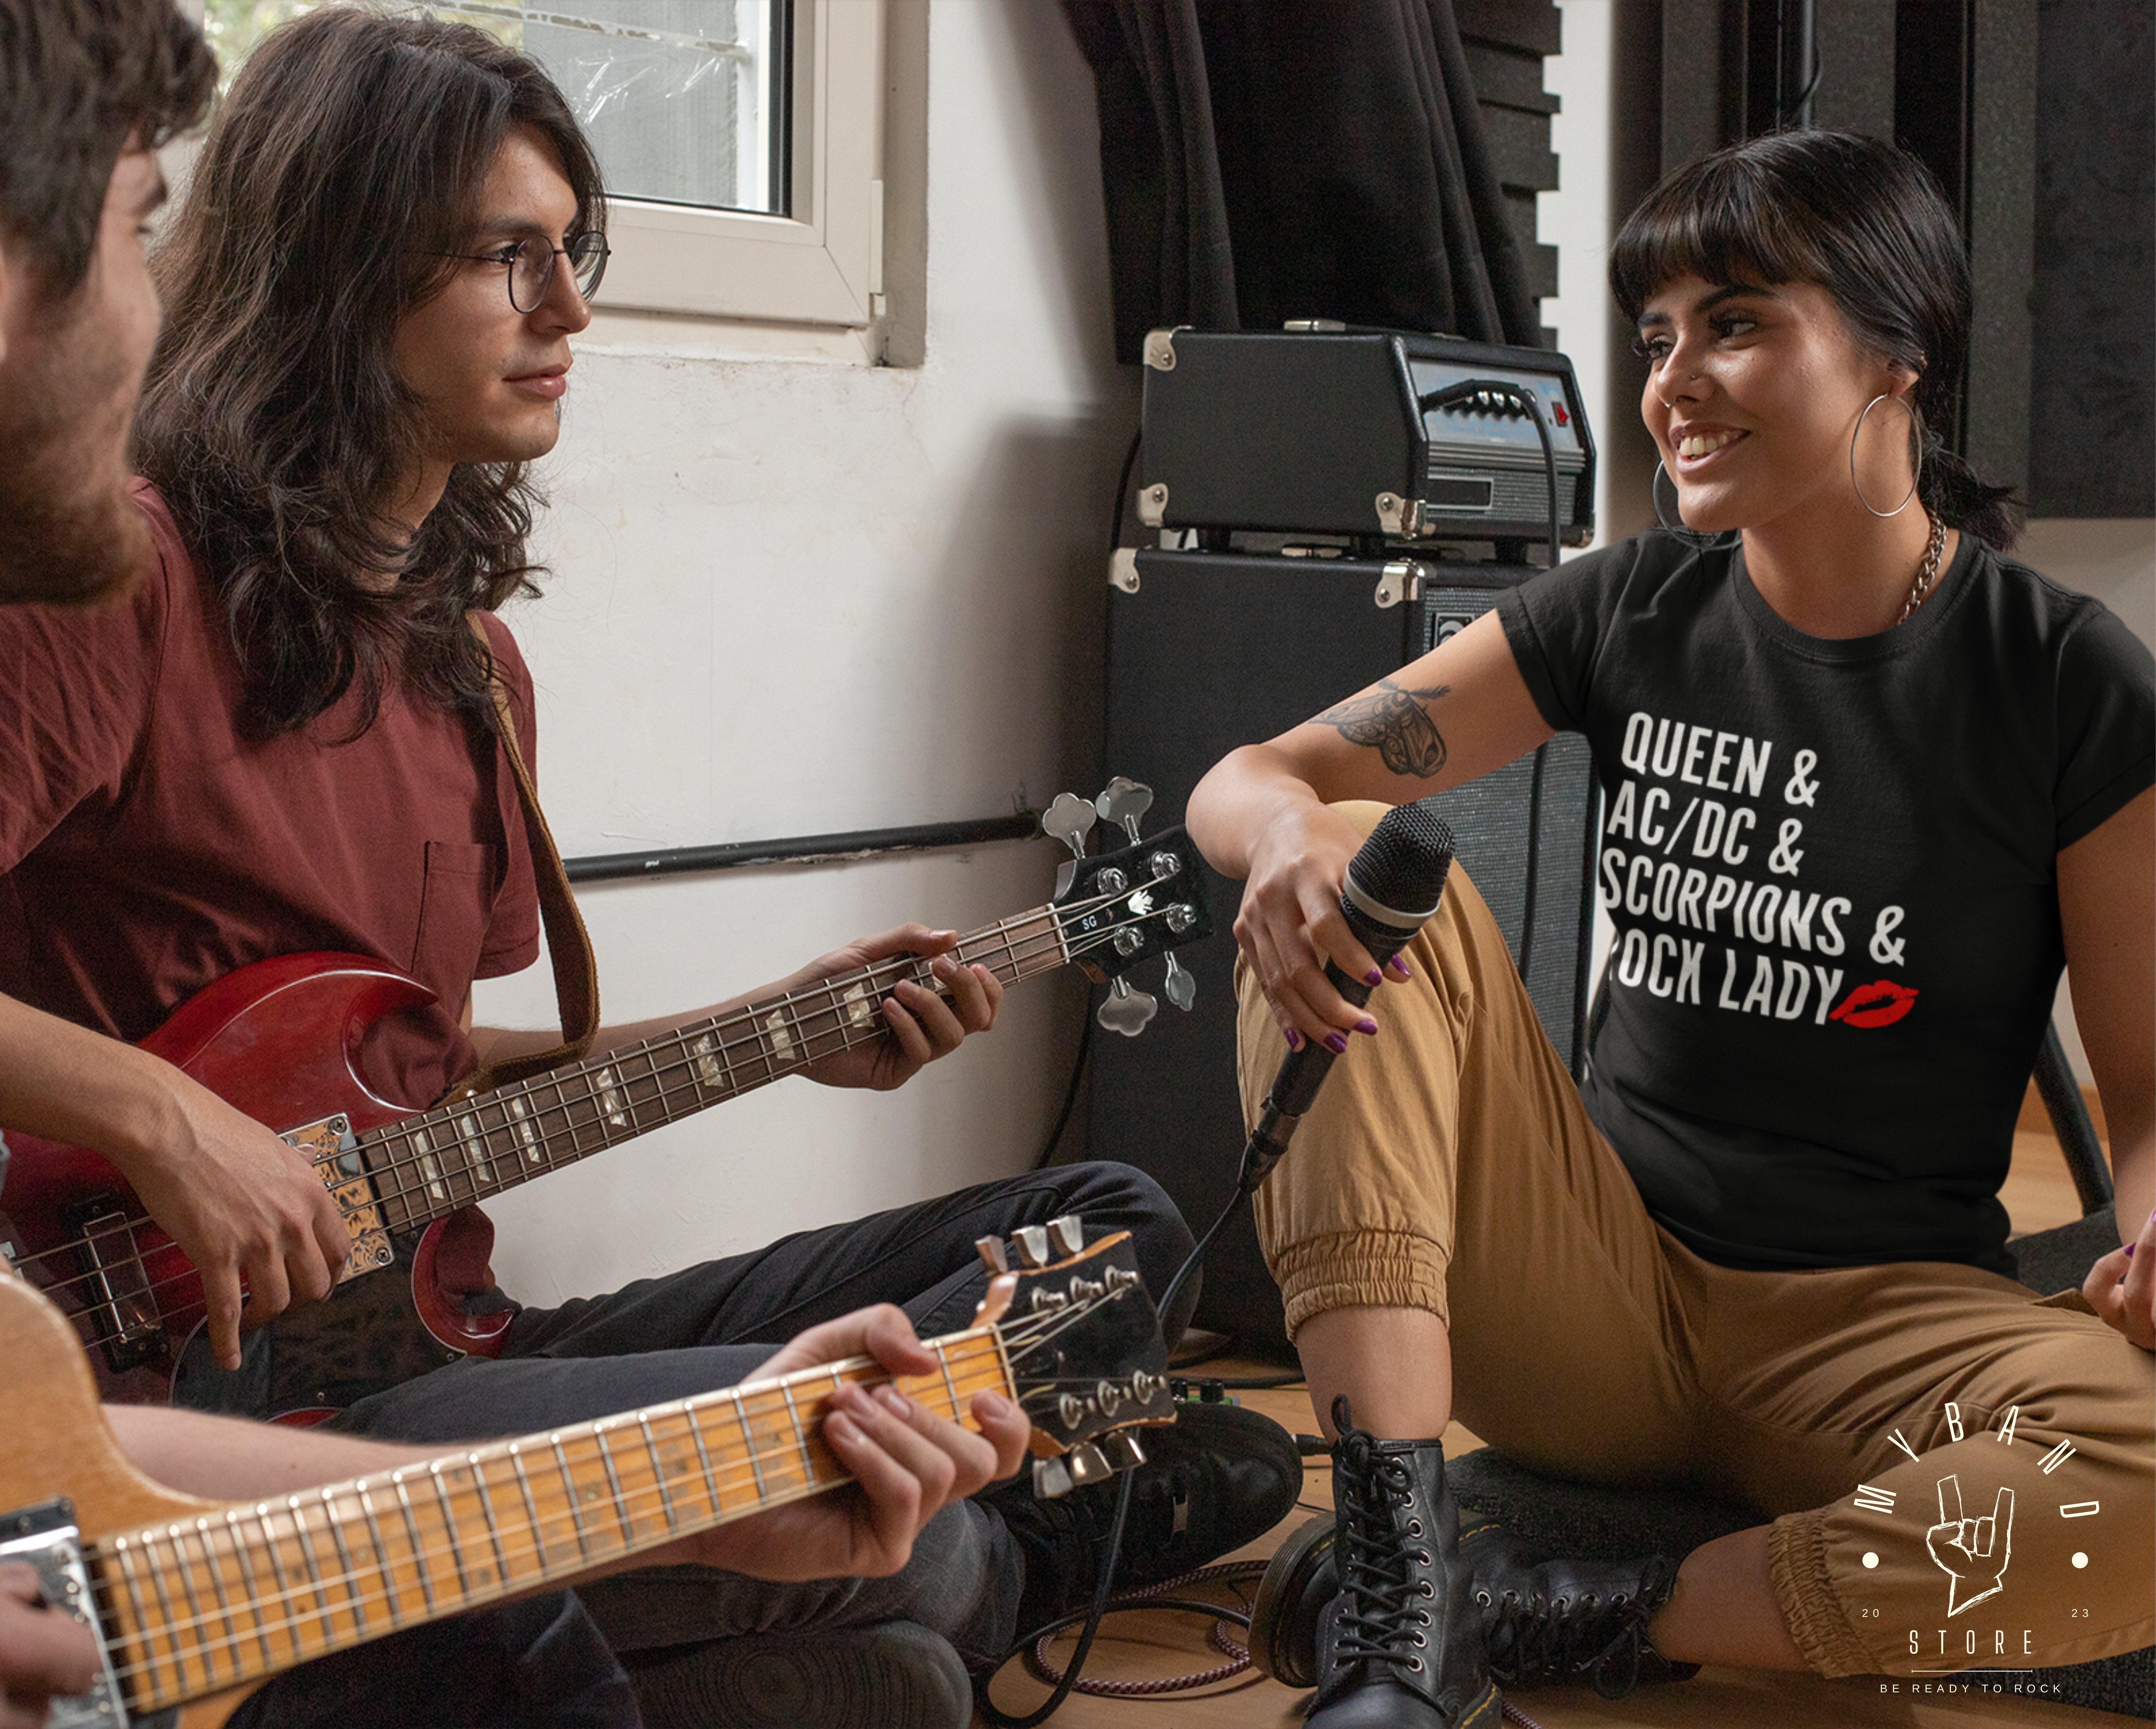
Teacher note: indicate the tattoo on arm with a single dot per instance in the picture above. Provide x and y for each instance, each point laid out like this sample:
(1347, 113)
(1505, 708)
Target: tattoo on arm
(1394, 721)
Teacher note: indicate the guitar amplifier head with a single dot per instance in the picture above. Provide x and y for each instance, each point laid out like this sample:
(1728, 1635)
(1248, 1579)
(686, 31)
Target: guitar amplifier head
(1359, 433)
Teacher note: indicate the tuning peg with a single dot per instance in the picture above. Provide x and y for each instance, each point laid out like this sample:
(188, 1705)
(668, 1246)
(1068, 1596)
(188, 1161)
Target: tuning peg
(1122, 1450)
(993, 1256)
(1088, 1466)
(1125, 1010)
(1181, 986)
(1068, 1232)
(1031, 1242)
(1122, 801)
(1051, 1480)
(1070, 819)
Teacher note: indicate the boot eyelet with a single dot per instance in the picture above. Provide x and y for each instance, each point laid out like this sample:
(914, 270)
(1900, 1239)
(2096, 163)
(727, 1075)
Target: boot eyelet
(1415, 1664)
(1428, 1589)
(1420, 1643)
(1482, 1597)
(1423, 1556)
(1414, 1527)
(1423, 1616)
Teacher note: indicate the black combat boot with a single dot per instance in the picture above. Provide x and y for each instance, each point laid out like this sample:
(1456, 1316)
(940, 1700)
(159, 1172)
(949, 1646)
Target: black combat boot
(1569, 1620)
(1398, 1645)
(1539, 1622)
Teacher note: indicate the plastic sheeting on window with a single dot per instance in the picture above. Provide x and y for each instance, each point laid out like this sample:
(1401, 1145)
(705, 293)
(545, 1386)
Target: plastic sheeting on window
(679, 96)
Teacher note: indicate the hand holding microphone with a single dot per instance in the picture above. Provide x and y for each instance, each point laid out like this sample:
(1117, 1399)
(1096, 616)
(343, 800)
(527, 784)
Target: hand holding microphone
(1394, 884)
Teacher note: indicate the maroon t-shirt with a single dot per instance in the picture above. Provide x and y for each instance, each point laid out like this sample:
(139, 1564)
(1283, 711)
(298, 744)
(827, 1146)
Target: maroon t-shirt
(148, 845)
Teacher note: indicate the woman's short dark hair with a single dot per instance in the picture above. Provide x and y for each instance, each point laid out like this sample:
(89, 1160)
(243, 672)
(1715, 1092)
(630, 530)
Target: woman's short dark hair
(1866, 222)
(351, 153)
(79, 78)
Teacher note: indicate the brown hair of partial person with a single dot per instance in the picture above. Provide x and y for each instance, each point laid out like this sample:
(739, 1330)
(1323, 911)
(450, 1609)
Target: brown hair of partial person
(1866, 222)
(352, 153)
(79, 78)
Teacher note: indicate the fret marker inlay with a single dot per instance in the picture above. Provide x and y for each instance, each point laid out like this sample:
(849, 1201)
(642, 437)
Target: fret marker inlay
(610, 1098)
(707, 1062)
(782, 1041)
(525, 1133)
(429, 1168)
(474, 1148)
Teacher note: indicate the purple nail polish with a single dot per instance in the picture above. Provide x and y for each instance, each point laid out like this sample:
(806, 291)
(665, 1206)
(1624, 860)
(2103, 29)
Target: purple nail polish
(1373, 977)
(1294, 1040)
(1336, 1043)
(1405, 972)
(1366, 1026)
(2129, 1251)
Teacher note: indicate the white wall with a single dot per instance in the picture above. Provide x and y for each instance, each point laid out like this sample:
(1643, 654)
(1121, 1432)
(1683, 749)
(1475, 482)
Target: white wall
(796, 598)
(2113, 560)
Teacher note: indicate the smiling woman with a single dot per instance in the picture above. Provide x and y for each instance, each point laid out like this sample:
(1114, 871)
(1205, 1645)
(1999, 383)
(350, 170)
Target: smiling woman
(1868, 784)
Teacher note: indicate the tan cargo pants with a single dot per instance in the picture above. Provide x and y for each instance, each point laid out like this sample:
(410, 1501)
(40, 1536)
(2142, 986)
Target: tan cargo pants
(1961, 1474)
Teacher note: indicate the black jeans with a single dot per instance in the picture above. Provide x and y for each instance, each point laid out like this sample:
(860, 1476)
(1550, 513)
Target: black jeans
(712, 1325)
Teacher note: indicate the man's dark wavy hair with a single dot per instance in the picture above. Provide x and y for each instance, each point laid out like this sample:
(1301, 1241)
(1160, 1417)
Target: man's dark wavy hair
(79, 78)
(352, 153)
(1866, 222)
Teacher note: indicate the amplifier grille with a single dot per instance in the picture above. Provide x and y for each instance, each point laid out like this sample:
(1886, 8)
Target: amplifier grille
(1512, 497)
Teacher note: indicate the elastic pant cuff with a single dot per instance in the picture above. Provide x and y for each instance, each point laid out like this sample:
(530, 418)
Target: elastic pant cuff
(1360, 1269)
(1797, 1564)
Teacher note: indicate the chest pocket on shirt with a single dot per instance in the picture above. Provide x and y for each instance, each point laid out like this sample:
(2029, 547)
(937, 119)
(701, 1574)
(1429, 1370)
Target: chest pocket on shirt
(455, 905)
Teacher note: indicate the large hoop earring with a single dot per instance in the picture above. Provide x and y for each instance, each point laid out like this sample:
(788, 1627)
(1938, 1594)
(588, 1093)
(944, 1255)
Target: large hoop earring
(1916, 455)
(1689, 536)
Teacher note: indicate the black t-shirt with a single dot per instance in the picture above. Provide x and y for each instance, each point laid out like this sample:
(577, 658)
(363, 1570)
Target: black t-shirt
(1832, 867)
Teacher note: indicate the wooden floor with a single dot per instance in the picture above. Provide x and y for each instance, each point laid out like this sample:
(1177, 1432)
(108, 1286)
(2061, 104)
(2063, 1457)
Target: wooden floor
(1139, 1647)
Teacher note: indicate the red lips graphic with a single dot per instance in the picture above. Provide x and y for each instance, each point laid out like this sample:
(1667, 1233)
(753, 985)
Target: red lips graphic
(1880, 1003)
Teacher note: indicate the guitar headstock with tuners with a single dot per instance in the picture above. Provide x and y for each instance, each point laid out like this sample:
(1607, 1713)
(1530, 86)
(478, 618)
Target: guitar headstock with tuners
(1082, 1342)
(1118, 908)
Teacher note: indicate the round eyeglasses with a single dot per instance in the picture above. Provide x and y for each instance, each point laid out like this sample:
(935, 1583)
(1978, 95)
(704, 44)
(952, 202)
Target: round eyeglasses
(530, 263)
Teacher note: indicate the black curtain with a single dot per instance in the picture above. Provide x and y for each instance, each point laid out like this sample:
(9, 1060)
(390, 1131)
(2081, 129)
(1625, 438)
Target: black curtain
(1267, 160)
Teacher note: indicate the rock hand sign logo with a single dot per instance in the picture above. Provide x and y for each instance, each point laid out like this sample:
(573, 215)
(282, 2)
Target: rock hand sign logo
(1703, 872)
(1974, 1553)
(2018, 1562)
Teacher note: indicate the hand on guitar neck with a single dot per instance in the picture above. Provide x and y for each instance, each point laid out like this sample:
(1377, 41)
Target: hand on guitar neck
(239, 1201)
(907, 1463)
(923, 1024)
(42, 1654)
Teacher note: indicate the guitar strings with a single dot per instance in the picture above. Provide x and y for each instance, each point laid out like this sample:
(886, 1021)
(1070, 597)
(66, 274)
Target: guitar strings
(632, 1507)
(506, 1544)
(669, 1089)
(977, 1373)
(662, 1093)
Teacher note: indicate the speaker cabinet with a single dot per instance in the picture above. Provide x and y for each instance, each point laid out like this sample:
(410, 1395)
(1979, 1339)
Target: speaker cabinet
(1214, 651)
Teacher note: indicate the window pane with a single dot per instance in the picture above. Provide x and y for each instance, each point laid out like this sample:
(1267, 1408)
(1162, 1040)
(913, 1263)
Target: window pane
(685, 100)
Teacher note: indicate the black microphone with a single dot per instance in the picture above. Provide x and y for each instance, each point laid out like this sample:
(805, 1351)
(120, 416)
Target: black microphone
(1394, 884)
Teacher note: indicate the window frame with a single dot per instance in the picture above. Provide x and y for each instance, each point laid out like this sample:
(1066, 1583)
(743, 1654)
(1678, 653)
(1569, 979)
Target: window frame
(822, 263)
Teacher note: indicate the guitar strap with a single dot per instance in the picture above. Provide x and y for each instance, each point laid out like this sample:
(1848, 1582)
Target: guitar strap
(568, 944)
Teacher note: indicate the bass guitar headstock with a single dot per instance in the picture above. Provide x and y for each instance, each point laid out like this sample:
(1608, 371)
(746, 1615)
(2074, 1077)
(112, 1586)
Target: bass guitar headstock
(1118, 908)
(1083, 1344)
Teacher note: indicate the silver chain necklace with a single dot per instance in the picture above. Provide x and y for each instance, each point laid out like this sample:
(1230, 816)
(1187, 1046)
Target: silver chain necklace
(1928, 572)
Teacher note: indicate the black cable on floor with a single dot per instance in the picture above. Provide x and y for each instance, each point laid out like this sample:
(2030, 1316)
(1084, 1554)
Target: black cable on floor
(1103, 1589)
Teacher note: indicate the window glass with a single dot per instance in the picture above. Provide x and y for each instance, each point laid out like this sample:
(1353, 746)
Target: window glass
(685, 100)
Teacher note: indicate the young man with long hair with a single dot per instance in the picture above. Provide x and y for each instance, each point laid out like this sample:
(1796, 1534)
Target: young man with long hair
(286, 742)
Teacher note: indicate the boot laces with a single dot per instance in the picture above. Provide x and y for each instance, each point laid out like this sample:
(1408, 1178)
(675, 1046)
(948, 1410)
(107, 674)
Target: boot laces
(1534, 1638)
(1381, 1620)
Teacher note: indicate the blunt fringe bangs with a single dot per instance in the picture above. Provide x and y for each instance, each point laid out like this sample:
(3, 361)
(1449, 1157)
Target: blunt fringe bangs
(352, 152)
(78, 78)
(1863, 220)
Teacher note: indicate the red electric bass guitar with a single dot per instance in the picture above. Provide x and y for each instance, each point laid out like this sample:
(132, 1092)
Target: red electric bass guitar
(278, 1039)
